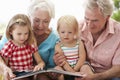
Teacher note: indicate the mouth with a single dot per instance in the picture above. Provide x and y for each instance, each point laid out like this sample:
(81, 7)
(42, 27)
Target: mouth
(66, 38)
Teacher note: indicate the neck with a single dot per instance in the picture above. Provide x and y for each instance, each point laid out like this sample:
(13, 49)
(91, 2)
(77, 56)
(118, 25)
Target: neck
(96, 35)
(69, 44)
(41, 38)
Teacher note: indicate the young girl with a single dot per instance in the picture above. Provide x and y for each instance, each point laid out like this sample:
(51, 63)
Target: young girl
(19, 51)
(69, 44)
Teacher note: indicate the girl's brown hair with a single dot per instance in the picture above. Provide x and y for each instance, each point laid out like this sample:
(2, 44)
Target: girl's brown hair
(22, 20)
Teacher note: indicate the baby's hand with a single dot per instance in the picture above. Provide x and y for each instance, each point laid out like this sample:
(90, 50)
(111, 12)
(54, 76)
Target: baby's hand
(40, 66)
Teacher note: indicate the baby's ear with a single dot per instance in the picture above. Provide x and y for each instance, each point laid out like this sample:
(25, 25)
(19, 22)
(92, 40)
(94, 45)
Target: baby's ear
(10, 32)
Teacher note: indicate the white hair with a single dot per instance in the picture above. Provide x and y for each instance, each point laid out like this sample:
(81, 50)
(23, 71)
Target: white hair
(106, 6)
(42, 4)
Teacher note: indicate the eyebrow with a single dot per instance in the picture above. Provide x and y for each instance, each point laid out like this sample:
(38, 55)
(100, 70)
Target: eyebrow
(91, 20)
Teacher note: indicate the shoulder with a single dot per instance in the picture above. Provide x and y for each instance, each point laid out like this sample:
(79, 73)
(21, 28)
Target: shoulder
(81, 43)
(114, 27)
(52, 39)
(7, 47)
(53, 36)
(8, 44)
(58, 45)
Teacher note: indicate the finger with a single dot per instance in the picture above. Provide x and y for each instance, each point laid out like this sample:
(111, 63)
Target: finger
(35, 68)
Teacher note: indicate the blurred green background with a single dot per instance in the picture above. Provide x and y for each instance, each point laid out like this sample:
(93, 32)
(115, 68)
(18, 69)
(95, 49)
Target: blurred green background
(116, 13)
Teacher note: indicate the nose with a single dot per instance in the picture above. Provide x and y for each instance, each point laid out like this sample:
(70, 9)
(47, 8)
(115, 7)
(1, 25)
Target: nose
(40, 24)
(66, 34)
(89, 22)
(23, 37)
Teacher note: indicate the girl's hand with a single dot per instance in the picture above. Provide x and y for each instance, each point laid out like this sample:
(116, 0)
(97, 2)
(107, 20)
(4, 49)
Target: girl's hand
(40, 66)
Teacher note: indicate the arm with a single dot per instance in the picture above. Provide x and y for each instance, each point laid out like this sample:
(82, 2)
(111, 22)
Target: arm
(111, 73)
(6, 71)
(114, 71)
(82, 56)
(66, 66)
(59, 59)
(39, 61)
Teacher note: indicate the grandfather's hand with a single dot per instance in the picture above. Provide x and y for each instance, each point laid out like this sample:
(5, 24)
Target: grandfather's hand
(59, 59)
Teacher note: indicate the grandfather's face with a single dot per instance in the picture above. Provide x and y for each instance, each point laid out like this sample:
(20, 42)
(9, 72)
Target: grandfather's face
(40, 21)
(95, 20)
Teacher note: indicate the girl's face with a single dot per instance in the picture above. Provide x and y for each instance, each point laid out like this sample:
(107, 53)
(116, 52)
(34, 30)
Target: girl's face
(20, 34)
(66, 33)
(40, 21)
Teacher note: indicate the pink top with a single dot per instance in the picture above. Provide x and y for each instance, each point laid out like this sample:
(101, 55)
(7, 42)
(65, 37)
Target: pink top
(20, 57)
(106, 50)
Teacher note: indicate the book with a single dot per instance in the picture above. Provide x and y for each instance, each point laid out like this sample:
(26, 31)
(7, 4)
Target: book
(49, 70)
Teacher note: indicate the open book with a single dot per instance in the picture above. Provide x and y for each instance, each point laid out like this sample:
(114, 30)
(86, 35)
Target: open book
(49, 70)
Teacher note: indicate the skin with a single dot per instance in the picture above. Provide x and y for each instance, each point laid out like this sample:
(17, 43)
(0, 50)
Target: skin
(96, 24)
(41, 20)
(67, 34)
(20, 35)
(40, 23)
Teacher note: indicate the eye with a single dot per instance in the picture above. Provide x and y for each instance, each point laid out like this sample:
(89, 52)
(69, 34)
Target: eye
(36, 20)
(26, 33)
(18, 33)
(62, 32)
(46, 21)
(69, 32)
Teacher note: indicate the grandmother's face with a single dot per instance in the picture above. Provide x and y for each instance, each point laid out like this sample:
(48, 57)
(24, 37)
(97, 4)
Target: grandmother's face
(40, 21)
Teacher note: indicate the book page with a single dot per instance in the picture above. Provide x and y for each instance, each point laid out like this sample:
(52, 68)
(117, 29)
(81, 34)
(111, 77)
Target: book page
(48, 70)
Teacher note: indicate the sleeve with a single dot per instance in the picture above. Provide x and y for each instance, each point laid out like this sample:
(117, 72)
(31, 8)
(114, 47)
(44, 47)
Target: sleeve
(6, 51)
(3, 41)
(116, 58)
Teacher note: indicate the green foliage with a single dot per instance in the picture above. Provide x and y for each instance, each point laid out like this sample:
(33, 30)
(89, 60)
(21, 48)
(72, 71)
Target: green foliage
(116, 13)
(117, 3)
(2, 28)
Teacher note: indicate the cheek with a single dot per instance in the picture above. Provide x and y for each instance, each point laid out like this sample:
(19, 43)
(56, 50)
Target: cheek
(34, 25)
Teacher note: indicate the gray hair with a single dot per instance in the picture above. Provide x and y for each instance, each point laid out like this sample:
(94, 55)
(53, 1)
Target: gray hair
(106, 6)
(42, 4)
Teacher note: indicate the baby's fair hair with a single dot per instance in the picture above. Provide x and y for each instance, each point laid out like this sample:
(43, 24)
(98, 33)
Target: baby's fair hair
(70, 21)
(21, 20)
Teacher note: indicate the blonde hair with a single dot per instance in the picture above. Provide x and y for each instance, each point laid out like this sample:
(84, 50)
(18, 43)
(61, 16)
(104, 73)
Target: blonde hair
(69, 20)
(105, 6)
(22, 20)
(42, 4)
